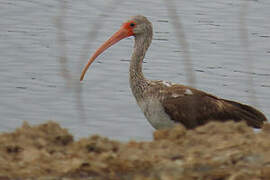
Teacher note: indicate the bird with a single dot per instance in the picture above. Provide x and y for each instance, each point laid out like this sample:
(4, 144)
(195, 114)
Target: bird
(164, 103)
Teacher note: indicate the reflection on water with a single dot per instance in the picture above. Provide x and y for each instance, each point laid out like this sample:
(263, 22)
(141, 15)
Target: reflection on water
(33, 87)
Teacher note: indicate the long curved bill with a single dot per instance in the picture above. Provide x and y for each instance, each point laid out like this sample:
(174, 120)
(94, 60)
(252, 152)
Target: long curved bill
(120, 34)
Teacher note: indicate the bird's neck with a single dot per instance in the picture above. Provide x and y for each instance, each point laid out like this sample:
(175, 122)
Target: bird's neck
(138, 83)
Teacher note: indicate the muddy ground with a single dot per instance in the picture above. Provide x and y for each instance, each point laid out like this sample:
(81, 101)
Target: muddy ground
(216, 151)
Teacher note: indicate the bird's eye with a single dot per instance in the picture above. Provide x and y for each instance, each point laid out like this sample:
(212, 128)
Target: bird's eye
(132, 24)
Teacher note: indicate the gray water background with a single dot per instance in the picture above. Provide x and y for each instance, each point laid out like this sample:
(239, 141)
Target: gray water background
(44, 45)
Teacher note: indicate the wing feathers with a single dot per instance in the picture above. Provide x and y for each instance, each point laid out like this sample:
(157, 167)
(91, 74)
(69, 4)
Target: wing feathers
(199, 108)
(252, 116)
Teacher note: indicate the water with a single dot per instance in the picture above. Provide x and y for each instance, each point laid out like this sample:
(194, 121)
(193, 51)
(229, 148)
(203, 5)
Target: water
(36, 86)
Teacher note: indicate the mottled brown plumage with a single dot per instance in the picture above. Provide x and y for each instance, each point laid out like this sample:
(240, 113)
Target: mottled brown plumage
(197, 107)
(165, 103)
(200, 108)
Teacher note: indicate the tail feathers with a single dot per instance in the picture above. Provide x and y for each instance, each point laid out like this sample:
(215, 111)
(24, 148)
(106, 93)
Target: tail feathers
(252, 116)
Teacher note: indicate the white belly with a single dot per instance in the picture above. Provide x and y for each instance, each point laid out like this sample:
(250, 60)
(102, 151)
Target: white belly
(155, 114)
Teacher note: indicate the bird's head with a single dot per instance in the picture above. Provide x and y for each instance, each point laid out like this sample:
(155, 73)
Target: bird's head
(136, 26)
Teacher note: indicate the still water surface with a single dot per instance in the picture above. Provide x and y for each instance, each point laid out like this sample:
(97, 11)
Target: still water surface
(37, 86)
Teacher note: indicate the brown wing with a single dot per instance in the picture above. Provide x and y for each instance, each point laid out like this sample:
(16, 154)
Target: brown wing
(199, 108)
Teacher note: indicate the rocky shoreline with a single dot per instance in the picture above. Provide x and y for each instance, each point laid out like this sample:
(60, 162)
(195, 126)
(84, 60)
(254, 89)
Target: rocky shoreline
(216, 151)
